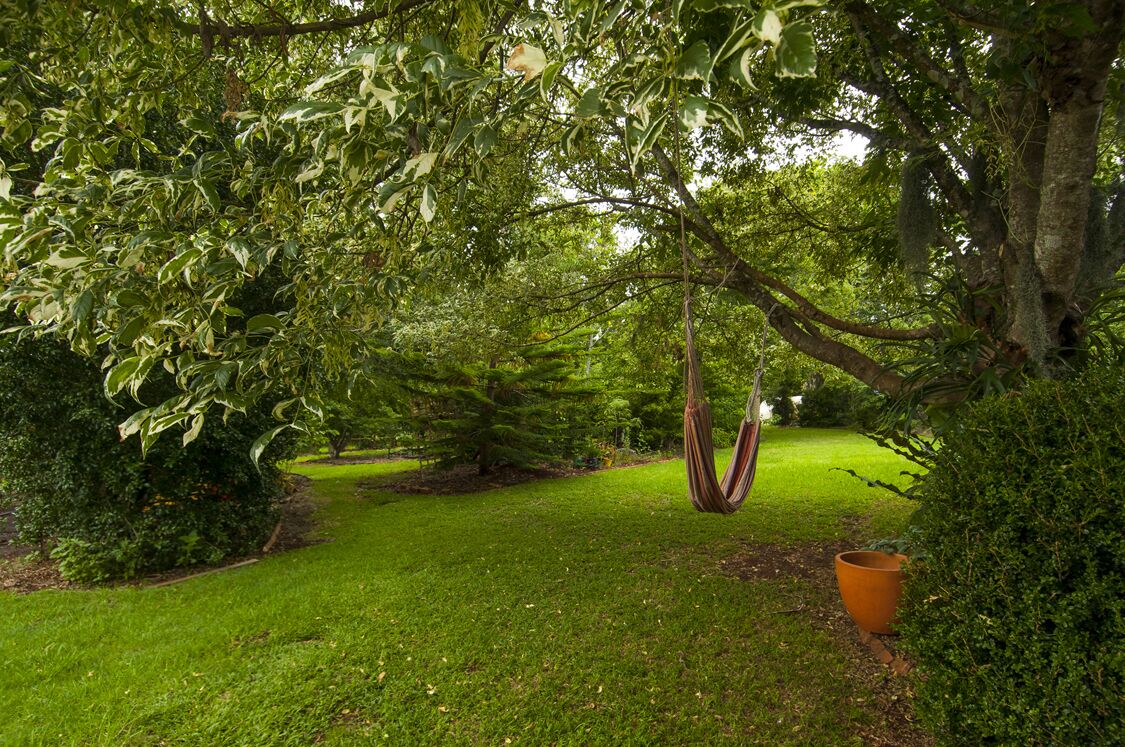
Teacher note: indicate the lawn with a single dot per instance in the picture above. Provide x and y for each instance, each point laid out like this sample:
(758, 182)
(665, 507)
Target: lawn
(586, 610)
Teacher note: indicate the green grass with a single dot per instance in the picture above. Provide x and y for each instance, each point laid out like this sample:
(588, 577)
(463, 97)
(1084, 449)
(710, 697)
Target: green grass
(587, 610)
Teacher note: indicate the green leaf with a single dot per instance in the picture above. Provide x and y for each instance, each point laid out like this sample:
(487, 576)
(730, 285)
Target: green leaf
(695, 63)
(201, 126)
(280, 408)
(210, 194)
(178, 263)
(707, 6)
(718, 113)
(262, 322)
(796, 55)
(82, 306)
(429, 203)
(240, 249)
(66, 259)
(328, 79)
(739, 37)
(119, 376)
(485, 140)
(193, 432)
(461, 132)
(307, 111)
(130, 331)
(590, 105)
(133, 423)
(648, 137)
(153, 427)
(127, 298)
(420, 165)
(547, 80)
(263, 441)
(767, 26)
(571, 139)
(693, 112)
(740, 69)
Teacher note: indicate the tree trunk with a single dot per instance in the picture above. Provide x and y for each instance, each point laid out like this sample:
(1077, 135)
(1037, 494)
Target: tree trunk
(336, 446)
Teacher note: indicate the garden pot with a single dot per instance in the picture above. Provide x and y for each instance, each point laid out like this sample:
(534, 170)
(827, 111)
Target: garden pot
(870, 584)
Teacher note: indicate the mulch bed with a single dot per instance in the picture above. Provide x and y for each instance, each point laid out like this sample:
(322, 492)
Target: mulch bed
(874, 656)
(357, 459)
(463, 479)
(23, 569)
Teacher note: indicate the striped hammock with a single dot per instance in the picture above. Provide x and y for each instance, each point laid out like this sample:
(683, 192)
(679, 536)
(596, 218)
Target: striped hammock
(708, 492)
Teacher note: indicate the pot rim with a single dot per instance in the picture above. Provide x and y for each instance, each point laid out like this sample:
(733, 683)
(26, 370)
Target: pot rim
(843, 559)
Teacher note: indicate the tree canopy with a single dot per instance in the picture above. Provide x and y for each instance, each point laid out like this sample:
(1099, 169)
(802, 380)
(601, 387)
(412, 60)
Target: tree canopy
(156, 157)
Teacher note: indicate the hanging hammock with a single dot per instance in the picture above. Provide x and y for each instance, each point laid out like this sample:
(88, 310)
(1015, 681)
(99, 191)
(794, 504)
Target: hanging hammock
(709, 493)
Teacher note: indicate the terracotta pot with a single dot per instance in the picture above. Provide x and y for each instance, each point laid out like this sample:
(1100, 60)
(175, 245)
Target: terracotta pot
(870, 584)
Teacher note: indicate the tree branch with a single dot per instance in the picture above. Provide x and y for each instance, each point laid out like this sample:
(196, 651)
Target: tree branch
(210, 28)
(978, 18)
(876, 136)
(937, 160)
(780, 317)
(959, 87)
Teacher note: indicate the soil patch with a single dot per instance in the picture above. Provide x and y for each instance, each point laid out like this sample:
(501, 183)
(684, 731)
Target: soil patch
(873, 657)
(23, 569)
(358, 459)
(297, 516)
(462, 479)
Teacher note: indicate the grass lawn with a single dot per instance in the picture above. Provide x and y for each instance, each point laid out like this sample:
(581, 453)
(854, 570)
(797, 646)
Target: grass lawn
(587, 610)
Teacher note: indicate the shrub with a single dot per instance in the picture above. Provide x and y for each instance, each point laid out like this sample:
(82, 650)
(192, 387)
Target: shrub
(1017, 616)
(109, 512)
(838, 404)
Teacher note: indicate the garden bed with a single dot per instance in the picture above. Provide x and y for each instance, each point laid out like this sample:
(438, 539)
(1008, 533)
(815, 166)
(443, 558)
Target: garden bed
(464, 478)
(24, 569)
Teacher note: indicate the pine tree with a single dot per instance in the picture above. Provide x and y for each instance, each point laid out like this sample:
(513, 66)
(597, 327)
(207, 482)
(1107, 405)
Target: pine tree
(520, 412)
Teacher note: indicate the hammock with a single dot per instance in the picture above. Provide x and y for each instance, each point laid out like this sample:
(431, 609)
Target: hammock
(709, 493)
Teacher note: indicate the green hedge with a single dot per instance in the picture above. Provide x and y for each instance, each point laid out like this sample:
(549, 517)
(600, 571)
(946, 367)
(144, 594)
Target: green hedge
(104, 510)
(1017, 616)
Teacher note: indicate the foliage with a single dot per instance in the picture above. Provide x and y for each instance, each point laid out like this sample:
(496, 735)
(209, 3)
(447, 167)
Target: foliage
(780, 394)
(1016, 615)
(111, 512)
(835, 404)
(519, 412)
(368, 411)
(275, 166)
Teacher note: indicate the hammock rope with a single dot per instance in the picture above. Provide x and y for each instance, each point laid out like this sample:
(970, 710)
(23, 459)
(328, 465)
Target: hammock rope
(707, 491)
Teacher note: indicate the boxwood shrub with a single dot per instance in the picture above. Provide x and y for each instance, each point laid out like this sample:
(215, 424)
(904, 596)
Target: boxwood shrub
(1017, 616)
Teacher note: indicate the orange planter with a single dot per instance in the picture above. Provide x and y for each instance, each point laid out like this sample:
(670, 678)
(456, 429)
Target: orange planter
(870, 584)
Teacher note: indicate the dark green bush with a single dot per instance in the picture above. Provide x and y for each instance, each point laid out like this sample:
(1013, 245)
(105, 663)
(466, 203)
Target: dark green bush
(1017, 617)
(108, 511)
(833, 405)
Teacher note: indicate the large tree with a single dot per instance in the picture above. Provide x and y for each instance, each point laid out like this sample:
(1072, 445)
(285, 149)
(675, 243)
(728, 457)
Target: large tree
(355, 146)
